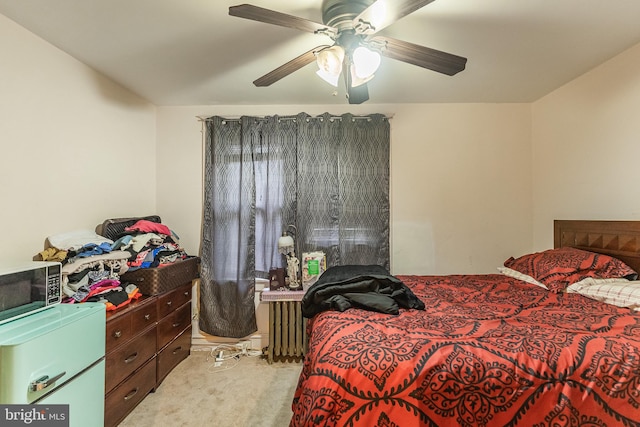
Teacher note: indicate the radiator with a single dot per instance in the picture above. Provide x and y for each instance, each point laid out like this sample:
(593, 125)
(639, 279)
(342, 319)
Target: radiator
(287, 331)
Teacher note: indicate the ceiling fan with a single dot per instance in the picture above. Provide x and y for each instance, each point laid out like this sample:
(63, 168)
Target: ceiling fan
(353, 26)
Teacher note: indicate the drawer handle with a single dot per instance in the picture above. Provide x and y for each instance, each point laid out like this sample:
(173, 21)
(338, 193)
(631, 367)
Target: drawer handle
(131, 394)
(169, 303)
(177, 350)
(186, 294)
(175, 325)
(131, 358)
(117, 334)
(147, 316)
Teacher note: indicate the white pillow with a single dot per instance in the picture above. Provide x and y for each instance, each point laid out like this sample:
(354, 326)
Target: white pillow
(517, 275)
(618, 292)
(590, 281)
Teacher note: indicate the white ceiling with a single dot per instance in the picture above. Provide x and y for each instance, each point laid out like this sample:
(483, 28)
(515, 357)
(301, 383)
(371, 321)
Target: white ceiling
(191, 52)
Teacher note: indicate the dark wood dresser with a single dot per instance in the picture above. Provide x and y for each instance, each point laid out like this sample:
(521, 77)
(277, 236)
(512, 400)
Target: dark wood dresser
(130, 367)
(144, 341)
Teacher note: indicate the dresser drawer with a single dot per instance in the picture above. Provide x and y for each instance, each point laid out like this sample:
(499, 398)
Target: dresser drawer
(143, 317)
(174, 299)
(125, 359)
(118, 331)
(124, 324)
(173, 354)
(121, 400)
(174, 324)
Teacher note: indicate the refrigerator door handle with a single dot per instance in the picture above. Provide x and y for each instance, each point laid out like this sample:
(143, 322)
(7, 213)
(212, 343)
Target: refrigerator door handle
(44, 382)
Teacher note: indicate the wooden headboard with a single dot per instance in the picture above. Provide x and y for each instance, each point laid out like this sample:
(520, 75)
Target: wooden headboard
(620, 239)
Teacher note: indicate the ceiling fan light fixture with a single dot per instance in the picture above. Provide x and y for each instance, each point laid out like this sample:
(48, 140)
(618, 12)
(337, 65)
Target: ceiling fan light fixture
(330, 64)
(352, 25)
(357, 80)
(366, 62)
(332, 79)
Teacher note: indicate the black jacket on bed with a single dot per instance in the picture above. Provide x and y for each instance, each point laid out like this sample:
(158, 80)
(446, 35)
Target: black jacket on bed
(368, 287)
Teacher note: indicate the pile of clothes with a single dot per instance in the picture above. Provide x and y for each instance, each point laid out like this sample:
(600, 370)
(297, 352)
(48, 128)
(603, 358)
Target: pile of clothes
(92, 265)
(150, 244)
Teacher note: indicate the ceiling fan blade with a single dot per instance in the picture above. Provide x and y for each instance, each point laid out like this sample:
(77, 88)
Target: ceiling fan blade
(284, 70)
(269, 16)
(383, 13)
(442, 62)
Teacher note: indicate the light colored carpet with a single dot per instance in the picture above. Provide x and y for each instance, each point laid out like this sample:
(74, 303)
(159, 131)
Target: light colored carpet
(248, 392)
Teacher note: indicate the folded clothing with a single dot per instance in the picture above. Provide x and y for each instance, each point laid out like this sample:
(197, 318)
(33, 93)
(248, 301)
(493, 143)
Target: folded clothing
(74, 240)
(149, 227)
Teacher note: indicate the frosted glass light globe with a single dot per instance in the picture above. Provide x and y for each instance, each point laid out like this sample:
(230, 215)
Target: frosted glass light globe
(366, 62)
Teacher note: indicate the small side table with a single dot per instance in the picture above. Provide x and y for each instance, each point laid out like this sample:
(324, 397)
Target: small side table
(287, 326)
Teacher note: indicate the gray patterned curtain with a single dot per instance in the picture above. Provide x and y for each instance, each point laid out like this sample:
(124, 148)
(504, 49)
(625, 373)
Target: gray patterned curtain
(327, 175)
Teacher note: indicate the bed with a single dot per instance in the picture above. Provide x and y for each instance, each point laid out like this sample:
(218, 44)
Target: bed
(488, 350)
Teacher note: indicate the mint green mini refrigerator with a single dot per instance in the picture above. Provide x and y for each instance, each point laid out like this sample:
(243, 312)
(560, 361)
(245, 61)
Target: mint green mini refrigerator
(56, 356)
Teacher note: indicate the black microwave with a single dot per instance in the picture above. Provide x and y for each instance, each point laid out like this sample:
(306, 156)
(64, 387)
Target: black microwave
(29, 287)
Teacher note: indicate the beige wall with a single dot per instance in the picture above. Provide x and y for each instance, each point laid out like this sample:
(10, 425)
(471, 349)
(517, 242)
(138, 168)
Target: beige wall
(586, 140)
(461, 187)
(460, 204)
(75, 147)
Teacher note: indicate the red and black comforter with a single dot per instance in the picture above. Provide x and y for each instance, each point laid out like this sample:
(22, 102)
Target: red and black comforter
(488, 350)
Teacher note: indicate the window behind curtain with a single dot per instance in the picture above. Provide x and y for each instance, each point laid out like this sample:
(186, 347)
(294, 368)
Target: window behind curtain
(343, 182)
(327, 175)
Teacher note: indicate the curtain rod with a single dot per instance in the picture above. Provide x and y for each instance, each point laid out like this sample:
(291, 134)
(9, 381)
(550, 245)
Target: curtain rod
(237, 119)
